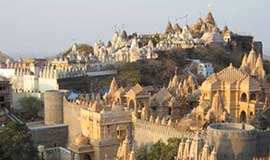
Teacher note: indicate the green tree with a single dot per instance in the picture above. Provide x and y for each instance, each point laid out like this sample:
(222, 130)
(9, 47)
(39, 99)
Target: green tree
(128, 74)
(159, 150)
(85, 49)
(156, 151)
(16, 143)
(30, 105)
(141, 152)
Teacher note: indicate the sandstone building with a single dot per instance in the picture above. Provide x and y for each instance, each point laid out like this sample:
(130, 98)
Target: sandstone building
(234, 94)
(94, 129)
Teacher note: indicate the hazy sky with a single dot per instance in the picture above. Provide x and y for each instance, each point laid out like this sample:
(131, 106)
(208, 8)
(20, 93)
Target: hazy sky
(45, 27)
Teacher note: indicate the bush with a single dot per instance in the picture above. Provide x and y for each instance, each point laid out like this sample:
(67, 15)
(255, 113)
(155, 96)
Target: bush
(16, 143)
(30, 106)
(159, 150)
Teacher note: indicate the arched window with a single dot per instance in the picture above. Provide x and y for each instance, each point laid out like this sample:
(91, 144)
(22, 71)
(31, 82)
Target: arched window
(243, 117)
(131, 105)
(253, 97)
(121, 132)
(243, 97)
(170, 111)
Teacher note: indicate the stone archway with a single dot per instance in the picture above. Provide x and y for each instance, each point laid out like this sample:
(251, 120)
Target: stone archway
(243, 117)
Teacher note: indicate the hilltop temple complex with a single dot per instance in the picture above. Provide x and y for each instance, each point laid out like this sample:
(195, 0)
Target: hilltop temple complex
(217, 119)
(205, 32)
(113, 126)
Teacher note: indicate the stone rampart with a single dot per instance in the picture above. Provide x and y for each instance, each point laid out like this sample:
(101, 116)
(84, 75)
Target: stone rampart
(233, 140)
(50, 136)
(146, 132)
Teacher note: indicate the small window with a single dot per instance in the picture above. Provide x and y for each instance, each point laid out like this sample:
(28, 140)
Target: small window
(253, 97)
(170, 111)
(244, 97)
(2, 98)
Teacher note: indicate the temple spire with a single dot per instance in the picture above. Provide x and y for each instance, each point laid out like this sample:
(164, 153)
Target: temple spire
(173, 84)
(113, 86)
(169, 28)
(210, 18)
(205, 152)
(213, 155)
(251, 59)
(259, 67)
(259, 62)
(244, 61)
(180, 153)
(177, 28)
(187, 149)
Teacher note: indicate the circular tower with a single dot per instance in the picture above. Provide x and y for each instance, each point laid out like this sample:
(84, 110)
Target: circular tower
(233, 140)
(53, 102)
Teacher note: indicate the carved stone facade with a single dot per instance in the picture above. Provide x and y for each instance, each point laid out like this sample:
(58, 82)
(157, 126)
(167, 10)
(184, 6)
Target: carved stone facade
(234, 94)
(94, 129)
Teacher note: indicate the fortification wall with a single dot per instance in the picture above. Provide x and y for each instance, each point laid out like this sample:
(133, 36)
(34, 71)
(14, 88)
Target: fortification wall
(50, 136)
(233, 141)
(71, 118)
(146, 132)
(53, 102)
(57, 153)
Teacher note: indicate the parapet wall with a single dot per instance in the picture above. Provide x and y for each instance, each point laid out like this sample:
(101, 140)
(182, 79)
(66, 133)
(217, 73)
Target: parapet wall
(57, 153)
(146, 132)
(71, 118)
(233, 140)
(53, 102)
(232, 131)
(50, 136)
